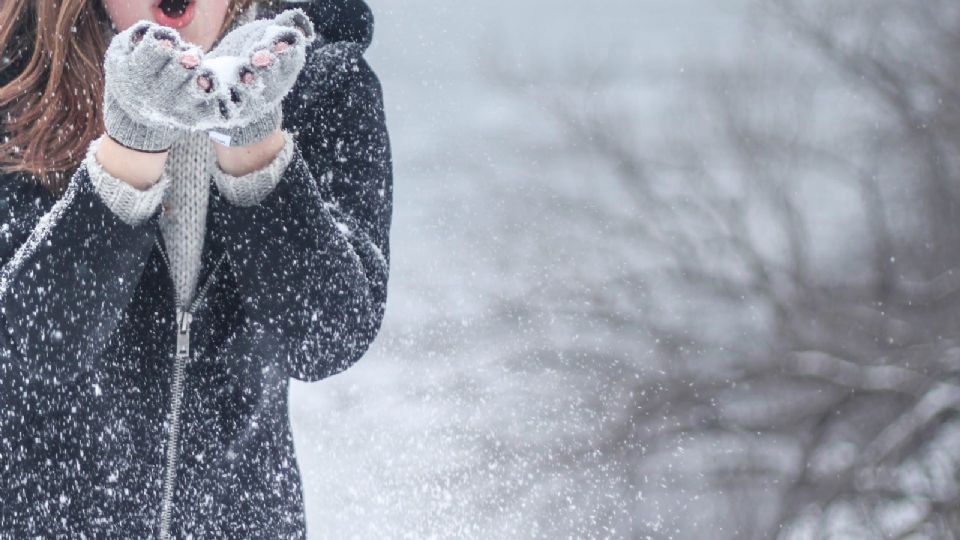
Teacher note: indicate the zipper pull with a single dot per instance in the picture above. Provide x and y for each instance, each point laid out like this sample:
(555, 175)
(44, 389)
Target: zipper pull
(184, 318)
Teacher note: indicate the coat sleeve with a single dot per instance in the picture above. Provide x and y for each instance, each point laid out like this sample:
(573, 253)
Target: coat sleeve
(69, 269)
(312, 258)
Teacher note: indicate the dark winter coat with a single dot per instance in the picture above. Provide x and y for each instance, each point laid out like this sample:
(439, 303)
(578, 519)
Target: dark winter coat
(88, 340)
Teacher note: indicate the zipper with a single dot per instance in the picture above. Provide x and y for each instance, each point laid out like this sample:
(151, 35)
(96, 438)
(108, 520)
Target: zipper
(184, 318)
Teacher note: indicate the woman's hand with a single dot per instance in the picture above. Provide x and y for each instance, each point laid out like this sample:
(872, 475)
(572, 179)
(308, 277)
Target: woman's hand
(153, 88)
(147, 69)
(253, 68)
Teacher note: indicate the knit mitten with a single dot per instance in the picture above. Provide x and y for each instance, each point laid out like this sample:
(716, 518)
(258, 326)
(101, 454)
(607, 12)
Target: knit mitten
(151, 93)
(252, 69)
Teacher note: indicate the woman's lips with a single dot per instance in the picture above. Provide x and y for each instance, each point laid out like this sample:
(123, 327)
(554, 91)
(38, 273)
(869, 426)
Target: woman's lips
(176, 23)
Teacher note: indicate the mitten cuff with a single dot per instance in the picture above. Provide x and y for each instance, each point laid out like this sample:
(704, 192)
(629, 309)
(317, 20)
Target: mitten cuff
(134, 135)
(252, 188)
(132, 205)
(256, 130)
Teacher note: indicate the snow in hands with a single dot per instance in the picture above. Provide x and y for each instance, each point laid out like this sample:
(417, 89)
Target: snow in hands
(158, 85)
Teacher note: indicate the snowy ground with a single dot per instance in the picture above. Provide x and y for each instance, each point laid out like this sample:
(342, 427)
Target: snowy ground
(430, 435)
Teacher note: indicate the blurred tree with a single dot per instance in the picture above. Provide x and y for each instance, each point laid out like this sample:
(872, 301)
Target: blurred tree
(757, 300)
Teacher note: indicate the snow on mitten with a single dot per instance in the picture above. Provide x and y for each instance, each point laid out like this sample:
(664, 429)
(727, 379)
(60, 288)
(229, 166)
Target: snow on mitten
(151, 96)
(252, 69)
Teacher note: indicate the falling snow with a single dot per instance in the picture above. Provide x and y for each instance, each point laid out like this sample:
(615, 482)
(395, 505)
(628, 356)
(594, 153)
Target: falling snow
(657, 270)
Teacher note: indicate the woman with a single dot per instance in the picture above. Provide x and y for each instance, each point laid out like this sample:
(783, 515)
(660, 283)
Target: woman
(173, 253)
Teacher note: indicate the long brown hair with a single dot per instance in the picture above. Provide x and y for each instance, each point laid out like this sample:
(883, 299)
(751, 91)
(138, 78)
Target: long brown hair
(50, 113)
